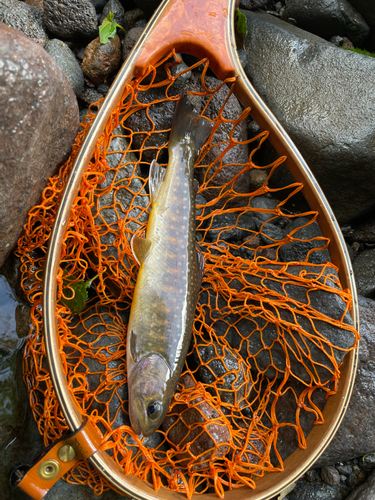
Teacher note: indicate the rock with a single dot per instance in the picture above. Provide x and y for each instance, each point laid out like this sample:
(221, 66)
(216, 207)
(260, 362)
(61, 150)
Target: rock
(65, 58)
(369, 460)
(330, 475)
(364, 492)
(25, 18)
(298, 250)
(117, 10)
(90, 95)
(236, 157)
(131, 17)
(36, 3)
(345, 470)
(364, 272)
(355, 436)
(129, 41)
(101, 59)
(148, 6)
(71, 19)
(327, 18)
(253, 4)
(124, 199)
(244, 222)
(332, 121)
(203, 426)
(367, 9)
(305, 490)
(364, 231)
(38, 124)
(216, 365)
(98, 4)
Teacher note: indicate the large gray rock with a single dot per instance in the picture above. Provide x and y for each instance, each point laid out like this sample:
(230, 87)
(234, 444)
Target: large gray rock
(327, 18)
(65, 58)
(38, 123)
(356, 437)
(364, 492)
(367, 9)
(25, 18)
(71, 19)
(323, 96)
(364, 272)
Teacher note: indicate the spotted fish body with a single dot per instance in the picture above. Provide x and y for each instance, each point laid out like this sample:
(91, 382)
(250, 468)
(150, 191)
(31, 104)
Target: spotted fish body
(169, 278)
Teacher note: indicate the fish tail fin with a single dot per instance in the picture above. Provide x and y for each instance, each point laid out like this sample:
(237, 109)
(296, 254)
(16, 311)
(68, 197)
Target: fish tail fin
(187, 124)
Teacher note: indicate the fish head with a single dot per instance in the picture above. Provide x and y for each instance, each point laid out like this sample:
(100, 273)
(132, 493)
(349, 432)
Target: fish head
(148, 395)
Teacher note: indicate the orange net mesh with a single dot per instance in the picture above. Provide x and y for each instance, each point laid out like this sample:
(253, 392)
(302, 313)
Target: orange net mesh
(262, 340)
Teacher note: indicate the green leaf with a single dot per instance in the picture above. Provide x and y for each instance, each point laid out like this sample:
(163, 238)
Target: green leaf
(107, 29)
(75, 294)
(241, 24)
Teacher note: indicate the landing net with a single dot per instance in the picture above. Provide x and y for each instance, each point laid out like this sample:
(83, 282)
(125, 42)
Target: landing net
(269, 332)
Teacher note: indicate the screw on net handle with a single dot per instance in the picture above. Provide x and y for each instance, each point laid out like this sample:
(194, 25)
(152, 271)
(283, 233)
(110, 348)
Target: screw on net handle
(203, 29)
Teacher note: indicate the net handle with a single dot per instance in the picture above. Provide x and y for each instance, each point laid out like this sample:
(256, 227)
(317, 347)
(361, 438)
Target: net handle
(217, 42)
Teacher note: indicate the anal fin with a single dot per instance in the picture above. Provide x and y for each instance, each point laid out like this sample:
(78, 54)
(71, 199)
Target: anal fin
(140, 248)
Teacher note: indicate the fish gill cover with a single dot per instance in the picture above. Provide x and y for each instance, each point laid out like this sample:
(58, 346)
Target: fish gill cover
(266, 348)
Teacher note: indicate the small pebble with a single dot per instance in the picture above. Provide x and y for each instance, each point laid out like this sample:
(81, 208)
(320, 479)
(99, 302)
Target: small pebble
(330, 475)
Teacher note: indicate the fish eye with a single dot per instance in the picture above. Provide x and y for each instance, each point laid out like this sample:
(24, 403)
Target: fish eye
(154, 410)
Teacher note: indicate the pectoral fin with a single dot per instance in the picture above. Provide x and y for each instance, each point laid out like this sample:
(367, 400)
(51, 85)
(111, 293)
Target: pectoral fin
(157, 174)
(140, 248)
(133, 347)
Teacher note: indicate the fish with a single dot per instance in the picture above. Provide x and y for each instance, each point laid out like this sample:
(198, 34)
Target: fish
(169, 277)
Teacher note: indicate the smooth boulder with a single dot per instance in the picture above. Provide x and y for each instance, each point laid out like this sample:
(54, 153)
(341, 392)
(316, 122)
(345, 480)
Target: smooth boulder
(355, 436)
(323, 97)
(38, 124)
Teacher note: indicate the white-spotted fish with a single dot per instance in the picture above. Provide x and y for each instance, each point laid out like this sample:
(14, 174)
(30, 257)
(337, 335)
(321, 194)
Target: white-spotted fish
(169, 278)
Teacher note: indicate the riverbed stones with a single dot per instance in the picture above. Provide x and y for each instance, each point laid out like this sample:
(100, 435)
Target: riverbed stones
(327, 18)
(67, 61)
(367, 9)
(365, 491)
(38, 123)
(25, 18)
(323, 96)
(71, 19)
(101, 59)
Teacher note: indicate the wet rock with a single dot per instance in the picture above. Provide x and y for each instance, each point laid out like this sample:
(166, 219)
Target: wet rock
(221, 368)
(131, 17)
(330, 475)
(36, 3)
(364, 231)
(265, 209)
(367, 9)
(98, 4)
(203, 426)
(327, 18)
(310, 491)
(298, 250)
(65, 58)
(364, 492)
(345, 470)
(101, 59)
(71, 19)
(332, 120)
(90, 95)
(253, 4)
(222, 226)
(355, 436)
(148, 6)
(369, 460)
(38, 124)
(126, 198)
(25, 18)
(269, 233)
(257, 179)
(237, 155)
(130, 40)
(364, 272)
(118, 11)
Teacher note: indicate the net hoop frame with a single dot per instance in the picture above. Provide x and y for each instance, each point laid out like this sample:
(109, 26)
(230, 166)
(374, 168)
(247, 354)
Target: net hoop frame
(168, 27)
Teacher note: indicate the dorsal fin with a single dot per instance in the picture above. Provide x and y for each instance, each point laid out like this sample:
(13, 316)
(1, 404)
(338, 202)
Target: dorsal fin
(140, 248)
